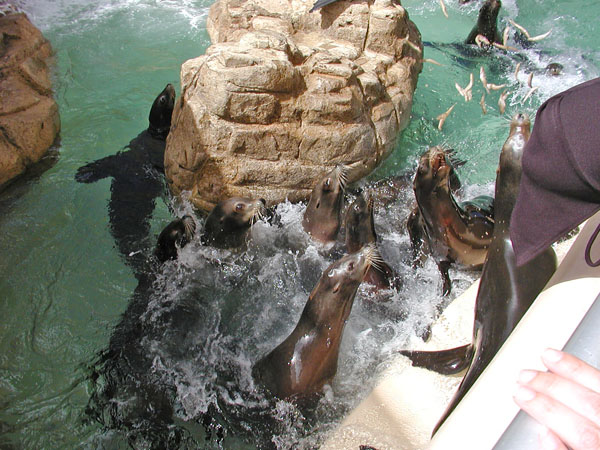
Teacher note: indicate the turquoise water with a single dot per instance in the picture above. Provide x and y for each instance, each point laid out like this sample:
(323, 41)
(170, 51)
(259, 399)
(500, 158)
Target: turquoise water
(64, 286)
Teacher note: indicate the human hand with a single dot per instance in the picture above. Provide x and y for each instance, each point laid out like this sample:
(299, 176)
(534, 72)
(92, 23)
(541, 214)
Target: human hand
(566, 400)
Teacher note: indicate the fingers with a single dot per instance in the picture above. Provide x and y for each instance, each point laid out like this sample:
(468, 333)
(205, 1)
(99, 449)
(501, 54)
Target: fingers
(573, 429)
(571, 368)
(566, 400)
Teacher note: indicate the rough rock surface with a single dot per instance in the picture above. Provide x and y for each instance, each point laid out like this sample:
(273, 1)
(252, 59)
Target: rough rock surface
(29, 120)
(282, 95)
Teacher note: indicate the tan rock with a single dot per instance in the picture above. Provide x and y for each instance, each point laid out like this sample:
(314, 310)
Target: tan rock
(29, 119)
(282, 95)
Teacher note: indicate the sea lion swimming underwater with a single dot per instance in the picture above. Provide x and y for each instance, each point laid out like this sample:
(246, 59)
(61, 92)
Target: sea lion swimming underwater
(228, 223)
(307, 359)
(323, 216)
(506, 290)
(127, 395)
(137, 179)
(453, 232)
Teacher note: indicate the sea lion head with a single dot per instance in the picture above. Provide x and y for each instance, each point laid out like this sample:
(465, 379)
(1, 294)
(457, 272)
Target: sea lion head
(487, 21)
(323, 213)
(508, 174)
(360, 223)
(229, 221)
(434, 171)
(332, 298)
(174, 236)
(161, 112)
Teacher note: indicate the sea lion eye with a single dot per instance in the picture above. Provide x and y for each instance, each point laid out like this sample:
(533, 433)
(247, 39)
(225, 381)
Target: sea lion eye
(239, 206)
(350, 266)
(162, 100)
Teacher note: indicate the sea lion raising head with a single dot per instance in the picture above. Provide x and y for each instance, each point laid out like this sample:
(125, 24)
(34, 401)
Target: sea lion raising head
(228, 223)
(322, 217)
(487, 23)
(161, 112)
(307, 359)
(454, 232)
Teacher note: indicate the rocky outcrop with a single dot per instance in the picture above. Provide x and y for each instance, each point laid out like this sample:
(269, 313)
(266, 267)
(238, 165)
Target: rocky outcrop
(282, 95)
(29, 120)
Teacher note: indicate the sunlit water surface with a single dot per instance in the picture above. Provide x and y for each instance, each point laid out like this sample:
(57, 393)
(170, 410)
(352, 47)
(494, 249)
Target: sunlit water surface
(64, 286)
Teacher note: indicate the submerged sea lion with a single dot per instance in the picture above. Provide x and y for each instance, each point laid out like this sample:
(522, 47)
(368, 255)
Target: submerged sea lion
(360, 231)
(307, 359)
(453, 232)
(487, 23)
(228, 223)
(506, 290)
(137, 174)
(322, 218)
(173, 237)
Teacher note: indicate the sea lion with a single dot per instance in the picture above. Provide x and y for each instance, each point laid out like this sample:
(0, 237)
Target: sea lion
(173, 237)
(322, 218)
(228, 223)
(359, 224)
(306, 360)
(506, 290)
(137, 174)
(453, 232)
(487, 23)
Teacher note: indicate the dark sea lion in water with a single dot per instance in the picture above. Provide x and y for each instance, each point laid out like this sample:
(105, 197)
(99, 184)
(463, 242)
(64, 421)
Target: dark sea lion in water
(453, 232)
(506, 290)
(360, 231)
(228, 223)
(307, 359)
(323, 215)
(174, 236)
(487, 23)
(138, 178)
(127, 395)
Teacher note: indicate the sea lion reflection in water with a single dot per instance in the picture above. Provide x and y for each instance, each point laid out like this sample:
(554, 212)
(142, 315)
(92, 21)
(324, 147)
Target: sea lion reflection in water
(307, 359)
(452, 231)
(506, 290)
(323, 215)
(137, 179)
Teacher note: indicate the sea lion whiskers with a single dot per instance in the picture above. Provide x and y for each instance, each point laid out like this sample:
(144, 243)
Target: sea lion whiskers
(189, 225)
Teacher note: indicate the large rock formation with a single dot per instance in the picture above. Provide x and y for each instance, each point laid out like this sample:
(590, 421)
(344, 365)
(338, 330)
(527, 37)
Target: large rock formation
(29, 121)
(282, 95)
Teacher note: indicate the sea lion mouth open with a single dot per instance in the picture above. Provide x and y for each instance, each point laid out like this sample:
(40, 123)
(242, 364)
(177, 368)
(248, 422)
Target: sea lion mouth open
(306, 360)
(322, 218)
(506, 290)
(453, 232)
(228, 223)
(487, 23)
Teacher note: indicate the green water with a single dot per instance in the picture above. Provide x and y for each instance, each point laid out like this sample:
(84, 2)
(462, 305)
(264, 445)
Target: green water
(64, 286)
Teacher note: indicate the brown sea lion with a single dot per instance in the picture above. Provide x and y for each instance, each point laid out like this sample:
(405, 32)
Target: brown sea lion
(360, 231)
(307, 359)
(322, 218)
(453, 232)
(228, 223)
(174, 236)
(506, 290)
(487, 23)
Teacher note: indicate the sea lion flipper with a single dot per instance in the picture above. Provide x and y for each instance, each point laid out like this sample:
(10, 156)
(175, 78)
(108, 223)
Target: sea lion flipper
(97, 170)
(320, 3)
(446, 362)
